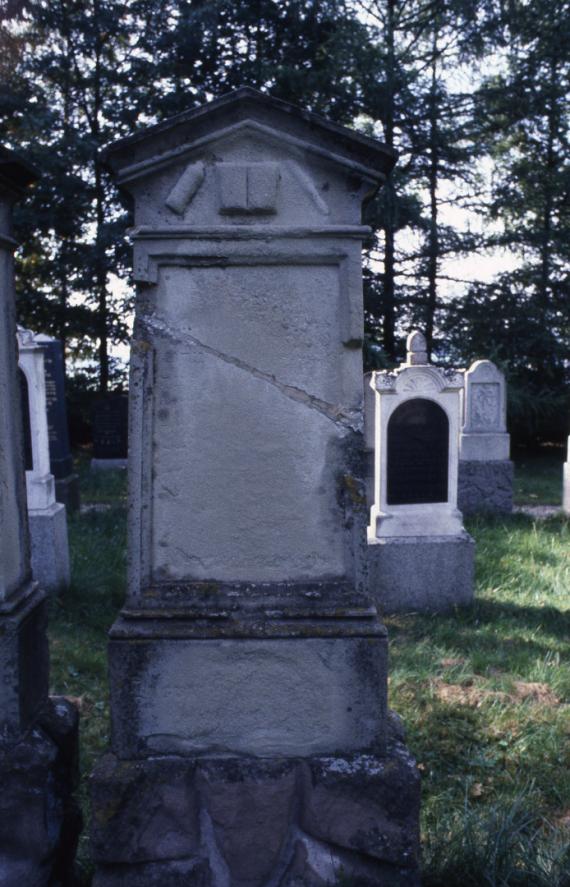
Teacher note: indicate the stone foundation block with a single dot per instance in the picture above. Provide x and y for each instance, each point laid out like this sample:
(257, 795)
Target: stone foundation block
(50, 547)
(485, 487)
(263, 696)
(421, 572)
(39, 818)
(253, 822)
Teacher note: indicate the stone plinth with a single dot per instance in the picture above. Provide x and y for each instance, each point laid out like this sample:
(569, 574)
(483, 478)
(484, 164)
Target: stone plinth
(179, 820)
(416, 532)
(485, 470)
(247, 650)
(47, 518)
(422, 573)
(39, 822)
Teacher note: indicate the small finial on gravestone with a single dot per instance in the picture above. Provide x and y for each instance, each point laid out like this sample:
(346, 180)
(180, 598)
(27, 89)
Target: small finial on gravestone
(416, 347)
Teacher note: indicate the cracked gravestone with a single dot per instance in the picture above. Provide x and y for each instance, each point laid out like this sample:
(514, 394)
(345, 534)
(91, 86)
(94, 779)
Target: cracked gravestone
(247, 651)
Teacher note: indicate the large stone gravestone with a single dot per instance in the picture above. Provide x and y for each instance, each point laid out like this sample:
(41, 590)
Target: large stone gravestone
(61, 460)
(250, 736)
(38, 736)
(419, 555)
(47, 517)
(485, 470)
(110, 431)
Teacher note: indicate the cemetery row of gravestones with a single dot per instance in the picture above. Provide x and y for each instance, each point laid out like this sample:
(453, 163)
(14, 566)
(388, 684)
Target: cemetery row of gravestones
(416, 467)
(251, 742)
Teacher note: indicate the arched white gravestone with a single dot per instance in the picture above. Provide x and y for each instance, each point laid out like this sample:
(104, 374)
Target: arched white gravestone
(485, 470)
(419, 555)
(47, 518)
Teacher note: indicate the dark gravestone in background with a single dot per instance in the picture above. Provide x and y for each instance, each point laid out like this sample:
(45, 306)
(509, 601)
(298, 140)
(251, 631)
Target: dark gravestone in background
(418, 445)
(60, 458)
(25, 400)
(110, 427)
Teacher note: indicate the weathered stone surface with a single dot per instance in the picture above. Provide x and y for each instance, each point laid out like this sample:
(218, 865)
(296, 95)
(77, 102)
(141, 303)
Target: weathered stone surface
(144, 813)
(366, 804)
(421, 572)
(175, 873)
(485, 486)
(262, 822)
(184, 700)
(251, 811)
(246, 644)
(50, 547)
(39, 819)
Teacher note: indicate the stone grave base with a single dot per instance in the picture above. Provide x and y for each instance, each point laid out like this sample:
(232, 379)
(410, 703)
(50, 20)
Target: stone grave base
(39, 818)
(245, 821)
(50, 547)
(485, 487)
(104, 464)
(420, 572)
(67, 492)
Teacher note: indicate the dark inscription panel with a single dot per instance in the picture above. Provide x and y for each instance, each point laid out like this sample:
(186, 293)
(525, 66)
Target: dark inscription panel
(418, 448)
(110, 427)
(25, 400)
(61, 462)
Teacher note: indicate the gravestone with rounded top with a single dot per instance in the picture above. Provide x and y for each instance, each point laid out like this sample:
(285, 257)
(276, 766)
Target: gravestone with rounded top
(419, 555)
(38, 735)
(248, 666)
(47, 518)
(485, 470)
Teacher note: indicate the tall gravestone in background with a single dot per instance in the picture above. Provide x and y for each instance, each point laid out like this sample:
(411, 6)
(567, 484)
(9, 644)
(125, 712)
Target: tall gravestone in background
(47, 518)
(38, 736)
(61, 460)
(485, 470)
(419, 555)
(250, 736)
(109, 418)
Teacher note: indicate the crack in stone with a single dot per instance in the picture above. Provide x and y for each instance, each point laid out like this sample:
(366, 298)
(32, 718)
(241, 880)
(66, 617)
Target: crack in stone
(350, 419)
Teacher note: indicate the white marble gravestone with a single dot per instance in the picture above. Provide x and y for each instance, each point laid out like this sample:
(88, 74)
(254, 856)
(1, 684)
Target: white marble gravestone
(485, 469)
(38, 735)
(566, 481)
(247, 653)
(419, 555)
(47, 518)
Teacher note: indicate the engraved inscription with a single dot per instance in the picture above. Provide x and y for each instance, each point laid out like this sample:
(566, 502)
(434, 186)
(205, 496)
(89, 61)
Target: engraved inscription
(485, 406)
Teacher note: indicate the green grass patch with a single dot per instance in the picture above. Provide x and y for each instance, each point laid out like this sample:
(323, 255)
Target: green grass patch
(538, 476)
(484, 692)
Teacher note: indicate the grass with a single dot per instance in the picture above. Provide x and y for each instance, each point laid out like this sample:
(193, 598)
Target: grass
(484, 692)
(538, 476)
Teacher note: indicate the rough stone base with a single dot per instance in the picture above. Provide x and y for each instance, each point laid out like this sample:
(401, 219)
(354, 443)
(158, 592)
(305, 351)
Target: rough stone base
(39, 819)
(50, 547)
(420, 572)
(485, 487)
(67, 492)
(258, 822)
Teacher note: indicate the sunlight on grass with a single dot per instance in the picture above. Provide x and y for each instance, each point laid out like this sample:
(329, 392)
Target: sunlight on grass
(484, 693)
